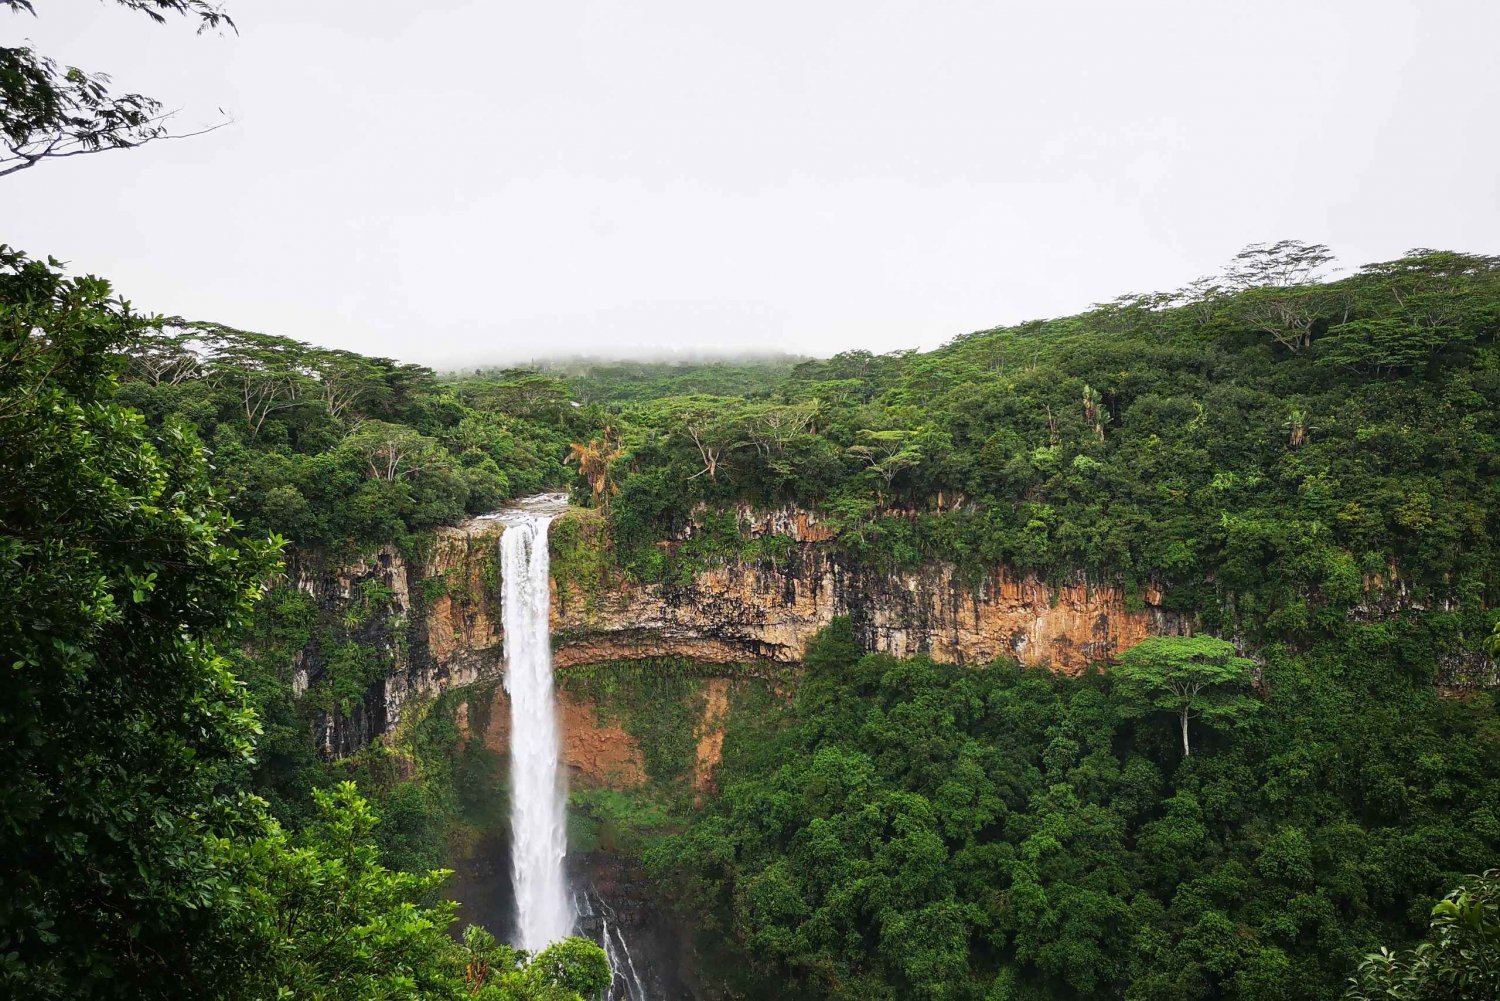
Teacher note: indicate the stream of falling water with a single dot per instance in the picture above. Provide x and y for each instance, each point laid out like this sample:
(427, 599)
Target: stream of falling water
(539, 834)
(625, 983)
(545, 911)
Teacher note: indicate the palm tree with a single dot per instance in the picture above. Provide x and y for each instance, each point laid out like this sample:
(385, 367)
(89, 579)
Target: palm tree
(595, 464)
(1092, 413)
(1296, 427)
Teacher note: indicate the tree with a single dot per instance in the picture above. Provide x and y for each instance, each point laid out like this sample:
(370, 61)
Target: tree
(1414, 309)
(1193, 677)
(1281, 292)
(163, 358)
(1283, 264)
(887, 453)
(329, 921)
(595, 464)
(49, 112)
(1459, 961)
(266, 374)
(393, 451)
(1093, 410)
(714, 424)
(121, 727)
(346, 381)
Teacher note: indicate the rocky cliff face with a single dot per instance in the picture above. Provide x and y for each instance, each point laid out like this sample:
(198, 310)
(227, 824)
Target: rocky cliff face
(440, 626)
(436, 624)
(743, 612)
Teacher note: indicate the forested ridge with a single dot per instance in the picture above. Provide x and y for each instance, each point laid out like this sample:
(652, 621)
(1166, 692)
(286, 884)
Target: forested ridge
(1298, 799)
(1324, 498)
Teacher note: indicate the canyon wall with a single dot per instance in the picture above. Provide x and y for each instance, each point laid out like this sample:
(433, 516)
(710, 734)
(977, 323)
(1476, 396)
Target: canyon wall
(742, 612)
(437, 624)
(599, 749)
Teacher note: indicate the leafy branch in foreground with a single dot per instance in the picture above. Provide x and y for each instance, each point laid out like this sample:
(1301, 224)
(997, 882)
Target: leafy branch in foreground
(49, 111)
(1459, 961)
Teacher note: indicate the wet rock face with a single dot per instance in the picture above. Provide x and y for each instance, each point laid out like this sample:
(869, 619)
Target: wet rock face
(441, 628)
(743, 612)
(596, 751)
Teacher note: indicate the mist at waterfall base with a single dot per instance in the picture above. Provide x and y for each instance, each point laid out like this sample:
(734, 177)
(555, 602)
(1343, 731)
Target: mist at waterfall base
(527, 888)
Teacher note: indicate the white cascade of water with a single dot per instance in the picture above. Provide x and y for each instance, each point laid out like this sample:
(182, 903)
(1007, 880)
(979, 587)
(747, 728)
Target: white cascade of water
(623, 972)
(635, 978)
(615, 966)
(539, 840)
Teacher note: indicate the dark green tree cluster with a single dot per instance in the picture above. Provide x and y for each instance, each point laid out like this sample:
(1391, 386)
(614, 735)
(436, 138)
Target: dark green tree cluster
(133, 861)
(915, 830)
(329, 447)
(1268, 447)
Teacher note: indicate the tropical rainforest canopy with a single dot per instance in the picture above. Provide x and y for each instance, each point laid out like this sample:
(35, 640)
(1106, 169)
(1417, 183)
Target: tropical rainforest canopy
(1309, 468)
(1297, 801)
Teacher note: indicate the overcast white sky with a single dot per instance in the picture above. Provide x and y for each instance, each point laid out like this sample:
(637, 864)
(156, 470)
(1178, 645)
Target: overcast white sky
(455, 182)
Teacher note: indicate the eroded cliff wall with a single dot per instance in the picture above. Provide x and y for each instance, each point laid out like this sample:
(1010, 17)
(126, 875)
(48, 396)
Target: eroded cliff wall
(436, 624)
(431, 618)
(767, 611)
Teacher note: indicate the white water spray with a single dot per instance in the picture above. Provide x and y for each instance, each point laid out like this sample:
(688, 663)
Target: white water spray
(539, 839)
(625, 982)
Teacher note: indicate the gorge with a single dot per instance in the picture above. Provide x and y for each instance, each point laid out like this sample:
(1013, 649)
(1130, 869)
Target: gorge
(1147, 653)
(877, 676)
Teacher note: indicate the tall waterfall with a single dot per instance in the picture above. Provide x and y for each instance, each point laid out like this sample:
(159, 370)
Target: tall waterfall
(539, 839)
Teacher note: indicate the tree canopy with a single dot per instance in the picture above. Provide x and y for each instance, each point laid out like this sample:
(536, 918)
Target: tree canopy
(134, 862)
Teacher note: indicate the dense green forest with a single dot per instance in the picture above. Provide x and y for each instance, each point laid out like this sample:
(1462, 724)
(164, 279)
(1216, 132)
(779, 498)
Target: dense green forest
(1300, 800)
(1326, 498)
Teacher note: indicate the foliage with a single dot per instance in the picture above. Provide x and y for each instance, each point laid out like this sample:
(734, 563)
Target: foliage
(328, 921)
(581, 559)
(1262, 446)
(595, 461)
(656, 701)
(49, 112)
(121, 726)
(1460, 960)
(1193, 677)
(332, 448)
(910, 829)
(133, 863)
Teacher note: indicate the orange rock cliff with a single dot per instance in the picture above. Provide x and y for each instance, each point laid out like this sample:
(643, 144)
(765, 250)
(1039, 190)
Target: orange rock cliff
(441, 628)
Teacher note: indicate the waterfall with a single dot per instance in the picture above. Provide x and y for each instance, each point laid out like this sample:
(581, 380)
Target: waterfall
(625, 981)
(539, 838)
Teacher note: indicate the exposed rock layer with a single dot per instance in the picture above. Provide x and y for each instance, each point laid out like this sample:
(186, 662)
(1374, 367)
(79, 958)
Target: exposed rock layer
(441, 627)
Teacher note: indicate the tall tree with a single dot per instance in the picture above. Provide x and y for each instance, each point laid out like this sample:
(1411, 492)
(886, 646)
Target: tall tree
(266, 374)
(1282, 292)
(1192, 677)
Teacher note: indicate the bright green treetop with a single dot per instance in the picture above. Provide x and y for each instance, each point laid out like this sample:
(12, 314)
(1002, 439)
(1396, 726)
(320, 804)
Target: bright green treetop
(1195, 677)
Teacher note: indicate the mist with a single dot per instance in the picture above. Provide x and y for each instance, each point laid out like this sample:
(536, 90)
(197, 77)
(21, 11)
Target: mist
(467, 184)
